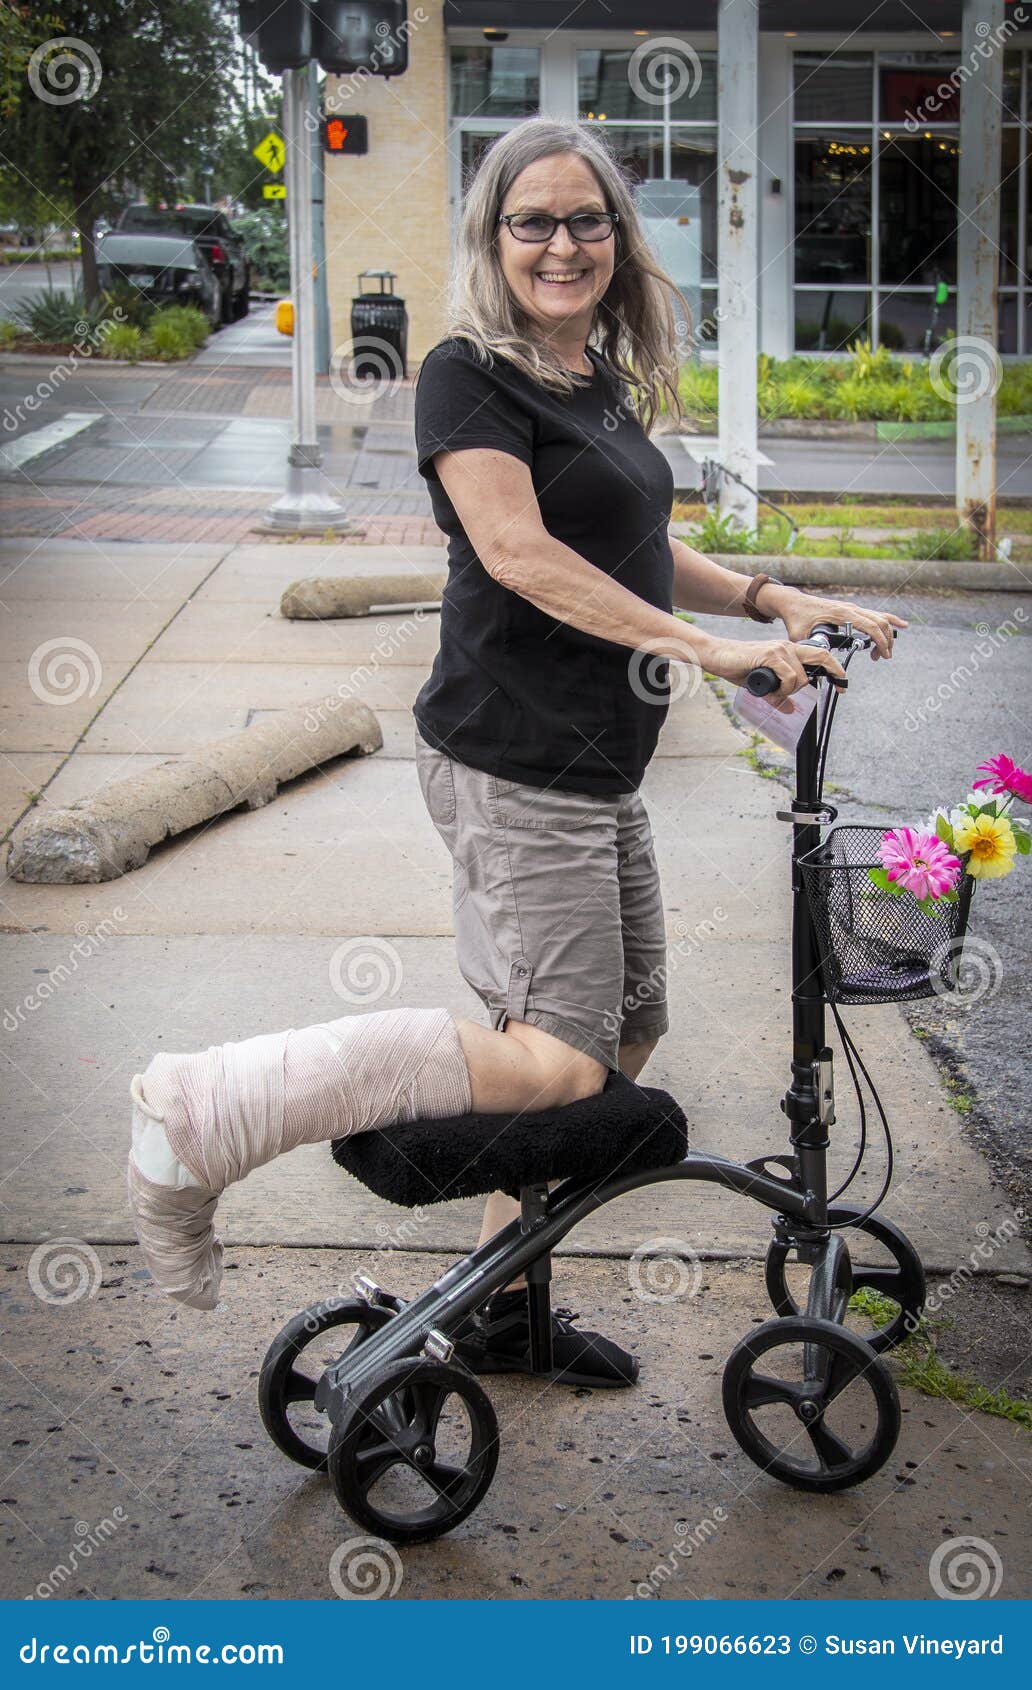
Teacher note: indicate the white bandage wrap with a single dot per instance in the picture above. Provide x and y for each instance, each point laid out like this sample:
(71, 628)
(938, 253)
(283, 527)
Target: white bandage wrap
(202, 1121)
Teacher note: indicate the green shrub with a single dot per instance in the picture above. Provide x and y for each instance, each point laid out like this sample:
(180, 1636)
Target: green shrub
(58, 314)
(166, 341)
(720, 534)
(123, 340)
(951, 545)
(190, 323)
(8, 333)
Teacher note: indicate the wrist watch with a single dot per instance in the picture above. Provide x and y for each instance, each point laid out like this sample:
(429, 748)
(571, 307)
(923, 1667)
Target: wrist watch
(749, 604)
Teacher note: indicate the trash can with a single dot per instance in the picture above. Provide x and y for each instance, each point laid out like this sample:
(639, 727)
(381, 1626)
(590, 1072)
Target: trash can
(379, 329)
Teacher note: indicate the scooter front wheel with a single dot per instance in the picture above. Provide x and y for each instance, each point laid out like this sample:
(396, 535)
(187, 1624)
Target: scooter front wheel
(811, 1403)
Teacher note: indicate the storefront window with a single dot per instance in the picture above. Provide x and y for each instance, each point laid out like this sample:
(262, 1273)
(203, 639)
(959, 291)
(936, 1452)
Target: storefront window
(494, 81)
(667, 77)
(834, 88)
(918, 209)
(827, 320)
(917, 88)
(833, 208)
(693, 159)
(912, 322)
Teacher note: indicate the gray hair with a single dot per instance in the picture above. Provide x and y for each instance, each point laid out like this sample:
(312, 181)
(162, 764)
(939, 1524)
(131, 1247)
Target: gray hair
(634, 326)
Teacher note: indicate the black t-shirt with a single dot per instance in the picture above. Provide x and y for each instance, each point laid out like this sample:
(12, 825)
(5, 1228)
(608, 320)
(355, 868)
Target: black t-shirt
(513, 691)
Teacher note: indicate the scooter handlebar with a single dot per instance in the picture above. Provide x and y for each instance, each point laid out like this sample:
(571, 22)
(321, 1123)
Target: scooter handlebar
(763, 681)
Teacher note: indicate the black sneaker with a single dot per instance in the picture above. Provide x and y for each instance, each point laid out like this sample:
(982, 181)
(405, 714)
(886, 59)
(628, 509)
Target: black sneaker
(496, 1339)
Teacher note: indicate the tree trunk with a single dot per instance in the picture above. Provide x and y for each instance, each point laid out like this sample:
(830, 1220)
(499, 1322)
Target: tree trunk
(85, 221)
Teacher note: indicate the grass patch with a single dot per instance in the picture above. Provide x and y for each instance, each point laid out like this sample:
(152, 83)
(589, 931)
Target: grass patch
(922, 1368)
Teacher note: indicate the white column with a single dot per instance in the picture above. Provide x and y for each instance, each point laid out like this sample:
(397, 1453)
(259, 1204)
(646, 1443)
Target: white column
(976, 361)
(737, 250)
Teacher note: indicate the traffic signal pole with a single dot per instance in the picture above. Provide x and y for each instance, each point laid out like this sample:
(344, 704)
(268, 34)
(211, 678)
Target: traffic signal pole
(307, 506)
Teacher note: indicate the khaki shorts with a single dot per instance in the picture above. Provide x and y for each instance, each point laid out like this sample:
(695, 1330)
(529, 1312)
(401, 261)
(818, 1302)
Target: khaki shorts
(557, 904)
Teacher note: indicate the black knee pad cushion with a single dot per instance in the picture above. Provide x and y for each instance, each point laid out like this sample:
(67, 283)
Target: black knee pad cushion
(621, 1130)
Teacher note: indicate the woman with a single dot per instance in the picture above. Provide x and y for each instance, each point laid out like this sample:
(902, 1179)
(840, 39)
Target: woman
(533, 731)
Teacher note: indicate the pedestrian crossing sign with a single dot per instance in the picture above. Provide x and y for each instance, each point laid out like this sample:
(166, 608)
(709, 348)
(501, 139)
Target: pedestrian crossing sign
(271, 152)
(274, 191)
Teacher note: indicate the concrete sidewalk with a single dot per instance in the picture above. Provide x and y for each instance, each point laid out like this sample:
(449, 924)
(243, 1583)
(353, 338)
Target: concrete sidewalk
(336, 897)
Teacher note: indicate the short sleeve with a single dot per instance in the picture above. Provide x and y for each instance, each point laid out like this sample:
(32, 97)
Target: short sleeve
(461, 403)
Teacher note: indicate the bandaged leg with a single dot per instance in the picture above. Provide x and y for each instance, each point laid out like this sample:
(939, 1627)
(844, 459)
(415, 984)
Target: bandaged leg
(202, 1121)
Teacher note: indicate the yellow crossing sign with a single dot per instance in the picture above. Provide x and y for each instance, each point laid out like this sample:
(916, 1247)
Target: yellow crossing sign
(274, 191)
(271, 152)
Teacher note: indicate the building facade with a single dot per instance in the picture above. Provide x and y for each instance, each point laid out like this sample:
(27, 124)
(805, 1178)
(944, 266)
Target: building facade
(857, 153)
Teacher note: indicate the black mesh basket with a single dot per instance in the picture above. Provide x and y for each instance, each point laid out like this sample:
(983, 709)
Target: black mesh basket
(878, 947)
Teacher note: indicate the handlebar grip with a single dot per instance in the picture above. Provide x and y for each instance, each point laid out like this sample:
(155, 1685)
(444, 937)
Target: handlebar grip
(760, 682)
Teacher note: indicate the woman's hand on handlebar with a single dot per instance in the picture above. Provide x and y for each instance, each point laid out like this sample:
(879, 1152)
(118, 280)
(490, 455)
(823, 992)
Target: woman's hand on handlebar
(732, 660)
(803, 611)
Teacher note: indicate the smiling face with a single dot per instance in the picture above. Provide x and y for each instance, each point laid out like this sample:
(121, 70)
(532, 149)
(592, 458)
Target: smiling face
(557, 283)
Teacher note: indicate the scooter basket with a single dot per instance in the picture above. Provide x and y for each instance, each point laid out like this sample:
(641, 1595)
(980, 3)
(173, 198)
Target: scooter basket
(875, 946)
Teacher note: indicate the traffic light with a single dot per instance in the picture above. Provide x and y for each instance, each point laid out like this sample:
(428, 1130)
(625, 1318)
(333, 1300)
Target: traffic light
(280, 31)
(345, 134)
(369, 35)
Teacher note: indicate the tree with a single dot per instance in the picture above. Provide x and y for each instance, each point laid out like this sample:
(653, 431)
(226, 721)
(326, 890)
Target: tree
(155, 82)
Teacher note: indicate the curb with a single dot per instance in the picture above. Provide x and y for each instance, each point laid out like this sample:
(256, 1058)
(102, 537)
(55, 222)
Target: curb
(840, 428)
(103, 837)
(916, 576)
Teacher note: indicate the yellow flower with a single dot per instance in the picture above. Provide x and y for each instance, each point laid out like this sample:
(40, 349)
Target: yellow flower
(990, 841)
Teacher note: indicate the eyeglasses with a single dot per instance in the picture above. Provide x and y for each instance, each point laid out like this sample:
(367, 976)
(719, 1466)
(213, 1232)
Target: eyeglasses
(537, 226)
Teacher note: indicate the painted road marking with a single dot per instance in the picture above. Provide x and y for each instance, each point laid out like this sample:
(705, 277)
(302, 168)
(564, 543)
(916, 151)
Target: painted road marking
(40, 440)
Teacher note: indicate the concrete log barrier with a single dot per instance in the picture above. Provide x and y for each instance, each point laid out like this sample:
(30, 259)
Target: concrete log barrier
(323, 597)
(105, 836)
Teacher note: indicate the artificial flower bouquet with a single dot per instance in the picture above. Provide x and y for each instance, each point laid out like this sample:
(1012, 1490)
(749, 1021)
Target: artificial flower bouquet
(978, 838)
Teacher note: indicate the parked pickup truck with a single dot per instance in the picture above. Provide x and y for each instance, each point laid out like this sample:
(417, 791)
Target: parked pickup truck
(165, 268)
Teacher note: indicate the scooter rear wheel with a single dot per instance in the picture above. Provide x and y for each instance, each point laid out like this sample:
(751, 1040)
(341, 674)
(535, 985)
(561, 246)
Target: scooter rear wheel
(415, 1451)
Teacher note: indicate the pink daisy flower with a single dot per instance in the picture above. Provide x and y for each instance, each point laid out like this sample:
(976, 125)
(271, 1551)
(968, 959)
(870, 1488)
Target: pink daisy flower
(1003, 775)
(921, 862)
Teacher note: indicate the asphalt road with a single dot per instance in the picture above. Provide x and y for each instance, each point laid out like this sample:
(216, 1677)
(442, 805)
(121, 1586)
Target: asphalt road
(907, 736)
(18, 282)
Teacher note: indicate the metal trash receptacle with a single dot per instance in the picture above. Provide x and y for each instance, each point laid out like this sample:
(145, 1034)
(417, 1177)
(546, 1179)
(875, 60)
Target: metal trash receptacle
(379, 329)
